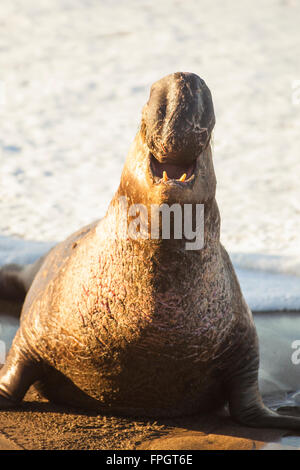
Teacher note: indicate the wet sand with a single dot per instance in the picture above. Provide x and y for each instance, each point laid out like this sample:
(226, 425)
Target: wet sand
(37, 425)
(41, 425)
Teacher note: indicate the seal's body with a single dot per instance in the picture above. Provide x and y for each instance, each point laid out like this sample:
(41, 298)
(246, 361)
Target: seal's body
(144, 326)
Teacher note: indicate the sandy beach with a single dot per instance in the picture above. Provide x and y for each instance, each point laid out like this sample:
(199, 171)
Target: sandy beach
(39, 425)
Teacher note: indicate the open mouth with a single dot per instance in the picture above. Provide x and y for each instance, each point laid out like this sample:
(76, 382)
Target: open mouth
(168, 172)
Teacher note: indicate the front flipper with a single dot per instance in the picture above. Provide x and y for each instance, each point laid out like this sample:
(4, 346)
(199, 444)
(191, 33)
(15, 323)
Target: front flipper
(246, 405)
(17, 375)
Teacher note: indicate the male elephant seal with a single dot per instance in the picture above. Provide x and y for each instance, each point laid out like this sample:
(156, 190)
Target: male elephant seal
(137, 325)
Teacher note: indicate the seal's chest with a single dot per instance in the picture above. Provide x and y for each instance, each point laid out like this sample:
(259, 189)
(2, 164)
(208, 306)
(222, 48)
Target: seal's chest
(155, 304)
(162, 327)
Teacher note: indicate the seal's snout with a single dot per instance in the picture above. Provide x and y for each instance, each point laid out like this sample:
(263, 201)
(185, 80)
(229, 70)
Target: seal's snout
(178, 119)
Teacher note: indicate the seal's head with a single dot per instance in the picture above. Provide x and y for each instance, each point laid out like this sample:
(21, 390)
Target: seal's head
(170, 160)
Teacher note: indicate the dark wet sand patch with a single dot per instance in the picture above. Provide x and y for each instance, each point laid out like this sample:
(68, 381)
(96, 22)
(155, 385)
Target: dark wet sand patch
(41, 425)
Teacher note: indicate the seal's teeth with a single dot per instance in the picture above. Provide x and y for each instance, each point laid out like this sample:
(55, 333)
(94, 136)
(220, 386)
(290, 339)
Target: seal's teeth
(165, 176)
(183, 177)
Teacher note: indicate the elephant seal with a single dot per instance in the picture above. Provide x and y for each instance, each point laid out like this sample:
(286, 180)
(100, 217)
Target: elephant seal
(143, 325)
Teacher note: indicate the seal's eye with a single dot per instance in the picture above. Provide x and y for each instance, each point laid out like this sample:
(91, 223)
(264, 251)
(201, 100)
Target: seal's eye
(169, 171)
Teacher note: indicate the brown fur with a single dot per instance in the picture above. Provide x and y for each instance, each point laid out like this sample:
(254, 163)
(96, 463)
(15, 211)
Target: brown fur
(144, 326)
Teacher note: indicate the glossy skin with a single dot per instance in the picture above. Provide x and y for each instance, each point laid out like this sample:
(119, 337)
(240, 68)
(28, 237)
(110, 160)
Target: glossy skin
(144, 327)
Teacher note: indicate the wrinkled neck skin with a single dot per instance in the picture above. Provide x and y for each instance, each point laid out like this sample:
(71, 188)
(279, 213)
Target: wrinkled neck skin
(136, 187)
(164, 287)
